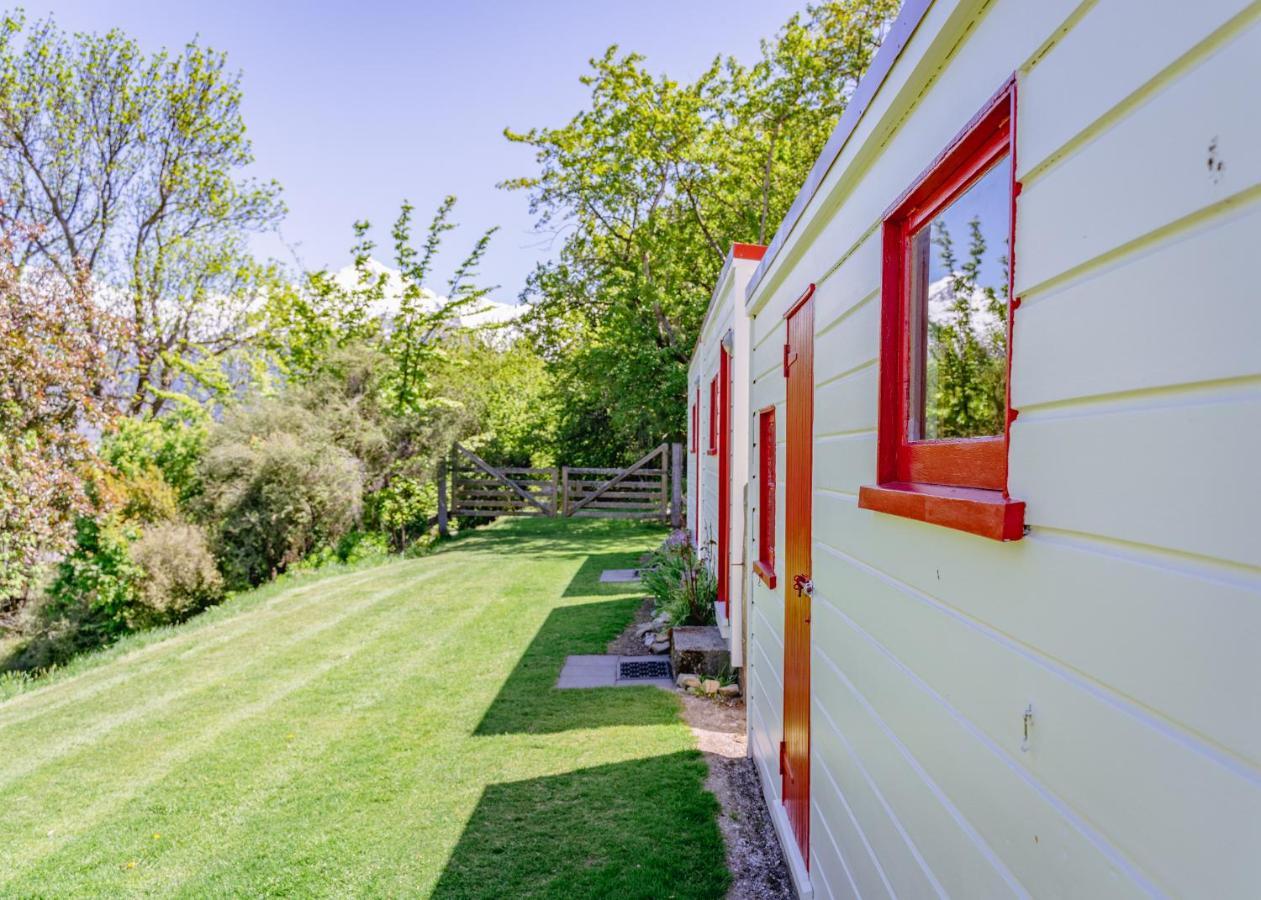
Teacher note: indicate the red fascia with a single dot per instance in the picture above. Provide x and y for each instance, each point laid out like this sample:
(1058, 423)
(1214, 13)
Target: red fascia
(747, 251)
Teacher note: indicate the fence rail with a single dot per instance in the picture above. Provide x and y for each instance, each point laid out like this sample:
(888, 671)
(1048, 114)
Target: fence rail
(651, 488)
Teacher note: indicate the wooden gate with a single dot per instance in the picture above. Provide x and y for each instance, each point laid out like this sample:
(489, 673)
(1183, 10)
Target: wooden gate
(480, 489)
(638, 492)
(645, 490)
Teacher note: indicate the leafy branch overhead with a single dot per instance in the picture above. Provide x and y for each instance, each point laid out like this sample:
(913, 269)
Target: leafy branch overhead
(649, 186)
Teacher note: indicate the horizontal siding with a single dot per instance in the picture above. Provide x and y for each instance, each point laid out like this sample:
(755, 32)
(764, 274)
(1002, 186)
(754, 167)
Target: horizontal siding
(1154, 35)
(1147, 170)
(1165, 472)
(1120, 618)
(923, 751)
(1128, 616)
(1115, 767)
(1179, 294)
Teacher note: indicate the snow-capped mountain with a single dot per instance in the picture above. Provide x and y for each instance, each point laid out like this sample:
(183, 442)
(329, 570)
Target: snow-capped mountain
(488, 313)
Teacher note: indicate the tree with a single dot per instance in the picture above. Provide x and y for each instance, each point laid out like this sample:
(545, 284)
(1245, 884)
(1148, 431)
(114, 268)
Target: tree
(394, 313)
(53, 363)
(650, 185)
(967, 344)
(129, 168)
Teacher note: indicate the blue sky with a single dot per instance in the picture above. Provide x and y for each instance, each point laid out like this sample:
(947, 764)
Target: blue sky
(353, 106)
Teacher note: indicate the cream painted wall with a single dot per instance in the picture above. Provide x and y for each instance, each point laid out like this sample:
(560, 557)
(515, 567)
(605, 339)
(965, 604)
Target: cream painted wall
(1128, 619)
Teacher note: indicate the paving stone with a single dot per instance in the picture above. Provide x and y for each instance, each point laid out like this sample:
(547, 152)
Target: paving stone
(619, 576)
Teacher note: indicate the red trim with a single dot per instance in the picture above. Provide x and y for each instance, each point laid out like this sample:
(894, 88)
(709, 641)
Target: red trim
(696, 425)
(800, 301)
(712, 447)
(987, 513)
(747, 251)
(765, 573)
(958, 483)
(764, 567)
(724, 480)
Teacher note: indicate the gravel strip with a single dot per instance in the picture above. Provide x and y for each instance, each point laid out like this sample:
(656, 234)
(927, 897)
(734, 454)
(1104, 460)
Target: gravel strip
(756, 863)
(627, 643)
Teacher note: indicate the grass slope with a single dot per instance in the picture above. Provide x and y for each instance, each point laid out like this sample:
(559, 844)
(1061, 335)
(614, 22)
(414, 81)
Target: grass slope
(390, 731)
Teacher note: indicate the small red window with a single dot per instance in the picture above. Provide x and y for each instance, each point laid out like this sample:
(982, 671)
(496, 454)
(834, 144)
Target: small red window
(713, 416)
(764, 566)
(945, 354)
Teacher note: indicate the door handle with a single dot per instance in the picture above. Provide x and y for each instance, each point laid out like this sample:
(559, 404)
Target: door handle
(803, 585)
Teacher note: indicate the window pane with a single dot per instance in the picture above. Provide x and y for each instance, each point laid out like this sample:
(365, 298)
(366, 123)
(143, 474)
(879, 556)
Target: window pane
(958, 281)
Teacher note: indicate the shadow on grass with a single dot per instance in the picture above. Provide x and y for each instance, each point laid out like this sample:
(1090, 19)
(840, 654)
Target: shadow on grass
(557, 537)
(643, 828)
(529, 702)
(586, 580)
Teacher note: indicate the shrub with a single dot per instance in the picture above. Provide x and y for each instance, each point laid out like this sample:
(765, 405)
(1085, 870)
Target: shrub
(180, 574)
(89, 601)
(679, 582)
(276, 487)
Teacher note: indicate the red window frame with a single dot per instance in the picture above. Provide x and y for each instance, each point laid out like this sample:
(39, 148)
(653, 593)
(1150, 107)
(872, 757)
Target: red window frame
(712, 450)
(764, 566)
(960, 483)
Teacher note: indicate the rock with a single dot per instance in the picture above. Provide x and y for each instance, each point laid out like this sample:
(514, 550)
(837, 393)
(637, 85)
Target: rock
(650, 638)
(687, 681)
(662, 619)
(710, 685)
(661, 647)
(729, 690)
(644, 628)
(700, 649)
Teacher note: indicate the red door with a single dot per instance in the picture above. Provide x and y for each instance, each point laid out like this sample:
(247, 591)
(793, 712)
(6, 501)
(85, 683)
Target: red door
(724, 480)
(799, 373)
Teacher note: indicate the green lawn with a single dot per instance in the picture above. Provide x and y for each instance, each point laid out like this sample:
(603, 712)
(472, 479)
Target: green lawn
(389, 731)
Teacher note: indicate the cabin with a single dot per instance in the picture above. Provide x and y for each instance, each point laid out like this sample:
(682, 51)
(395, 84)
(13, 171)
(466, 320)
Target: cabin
(718, 441)
(1003, 360)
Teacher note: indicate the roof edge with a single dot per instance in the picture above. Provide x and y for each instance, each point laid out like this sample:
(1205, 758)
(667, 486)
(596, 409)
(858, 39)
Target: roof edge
(894, 43)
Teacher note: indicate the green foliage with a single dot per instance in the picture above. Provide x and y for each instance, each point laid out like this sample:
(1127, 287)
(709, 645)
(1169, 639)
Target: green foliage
(91, 599)
(277, 485)
(681, 586)
(179, 575)
(403, 508)
(171, 446)
(967, 348)
(129, 168)
(652, 182)
(399, 317)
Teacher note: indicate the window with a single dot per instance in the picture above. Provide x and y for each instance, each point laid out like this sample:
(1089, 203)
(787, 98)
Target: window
(713, 415)
(945, 353)
(765, 564)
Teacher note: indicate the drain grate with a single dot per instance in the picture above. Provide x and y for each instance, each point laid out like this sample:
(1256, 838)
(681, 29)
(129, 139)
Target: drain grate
(643, 668)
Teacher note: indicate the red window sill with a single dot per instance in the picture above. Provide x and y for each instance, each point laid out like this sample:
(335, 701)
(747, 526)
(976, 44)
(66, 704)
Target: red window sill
(975, 510)
(765, 572)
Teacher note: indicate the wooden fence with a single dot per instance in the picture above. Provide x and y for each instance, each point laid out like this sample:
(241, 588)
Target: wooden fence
(651, 488)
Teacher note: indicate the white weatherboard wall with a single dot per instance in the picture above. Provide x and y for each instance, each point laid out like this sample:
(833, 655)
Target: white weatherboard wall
(1129, 618)
(725, 315)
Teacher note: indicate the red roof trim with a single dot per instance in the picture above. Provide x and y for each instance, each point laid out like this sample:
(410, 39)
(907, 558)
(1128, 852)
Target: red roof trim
(747, 251)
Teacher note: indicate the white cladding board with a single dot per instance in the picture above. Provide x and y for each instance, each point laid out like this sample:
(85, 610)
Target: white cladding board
(725, 317)
(1128, 618)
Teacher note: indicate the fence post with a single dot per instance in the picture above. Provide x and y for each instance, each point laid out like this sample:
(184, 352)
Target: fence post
(564, 491)
(442, 499)
(555, 492)
(676, 486)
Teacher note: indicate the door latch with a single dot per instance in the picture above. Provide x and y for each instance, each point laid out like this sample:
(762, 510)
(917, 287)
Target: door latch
(803, 585)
